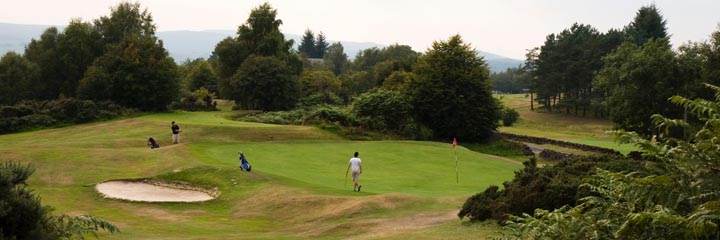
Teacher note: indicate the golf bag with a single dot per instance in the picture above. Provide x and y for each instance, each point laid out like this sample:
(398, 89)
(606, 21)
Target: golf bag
(244, 164)
(152, 143)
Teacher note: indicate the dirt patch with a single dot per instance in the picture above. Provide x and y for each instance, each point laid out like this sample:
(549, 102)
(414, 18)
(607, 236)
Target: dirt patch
(57, 179)
(310, 215)
(298, 206)
(386, 227)
(151, 192)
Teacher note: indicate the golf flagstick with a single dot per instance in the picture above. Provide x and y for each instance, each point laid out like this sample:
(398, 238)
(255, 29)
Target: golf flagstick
(457, 178)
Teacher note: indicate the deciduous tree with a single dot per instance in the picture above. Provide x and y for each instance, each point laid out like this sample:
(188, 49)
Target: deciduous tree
(452, 95)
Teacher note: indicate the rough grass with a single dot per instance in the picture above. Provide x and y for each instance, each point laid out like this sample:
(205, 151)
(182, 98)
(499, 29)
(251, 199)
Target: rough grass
(296, 189)
(559, 125)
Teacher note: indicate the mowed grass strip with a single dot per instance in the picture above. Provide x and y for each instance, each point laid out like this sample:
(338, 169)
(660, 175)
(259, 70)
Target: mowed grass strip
(422, 168)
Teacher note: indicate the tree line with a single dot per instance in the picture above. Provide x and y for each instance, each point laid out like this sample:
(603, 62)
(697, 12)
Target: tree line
(446, 90)
(118, 58)
(625, 75)
(115, 57)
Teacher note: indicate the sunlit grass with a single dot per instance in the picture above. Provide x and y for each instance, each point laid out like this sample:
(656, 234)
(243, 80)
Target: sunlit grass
(560, 126)
(296, 188)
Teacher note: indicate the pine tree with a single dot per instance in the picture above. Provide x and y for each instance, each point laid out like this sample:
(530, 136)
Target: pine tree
(321, 46)
(648, 24)
(307, 46)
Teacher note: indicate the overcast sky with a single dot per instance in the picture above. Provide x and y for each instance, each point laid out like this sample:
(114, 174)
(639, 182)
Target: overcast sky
(505, 27)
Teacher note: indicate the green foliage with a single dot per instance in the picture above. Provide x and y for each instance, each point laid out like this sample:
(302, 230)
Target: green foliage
(701, 64)
(382, 110)
(399, 81)
(23, 217)
(336, 59)
(355, 83)
(310, 115)
(323, 82)
(125, 20)
(63, 57)
(647, 25)
(498, 147)
(564, 69)
(18, 76)
(512, 80)
(639, 82)
(394, 58)
(259, 40)
(78, 46)
(264, 83)
(201, 75)
(319, 99)
(118, 59)
(509, 116)
(307, 44)
(230, 53)
(321, 45)
(452, 93)
(28, 115)
(198, 100)
(365, 60)
(136, 72)
(44, 53)
(678, 201)
(548, 188)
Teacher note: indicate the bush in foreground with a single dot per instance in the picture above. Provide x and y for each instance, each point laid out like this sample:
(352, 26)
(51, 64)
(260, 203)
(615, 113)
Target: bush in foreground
(22, 215)
(549, 187)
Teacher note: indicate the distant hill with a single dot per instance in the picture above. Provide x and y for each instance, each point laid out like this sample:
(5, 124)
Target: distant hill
(14, 37)
(498, 63)
(200, 44)
(195, 44)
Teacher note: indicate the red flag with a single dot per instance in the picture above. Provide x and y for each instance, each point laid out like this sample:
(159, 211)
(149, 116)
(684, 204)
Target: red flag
(454, 143)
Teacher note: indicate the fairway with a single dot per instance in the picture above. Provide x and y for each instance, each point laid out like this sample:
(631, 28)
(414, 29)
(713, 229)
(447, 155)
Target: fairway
(296, 189)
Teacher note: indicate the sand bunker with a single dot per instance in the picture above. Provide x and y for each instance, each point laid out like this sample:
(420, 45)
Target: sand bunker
(146, 192)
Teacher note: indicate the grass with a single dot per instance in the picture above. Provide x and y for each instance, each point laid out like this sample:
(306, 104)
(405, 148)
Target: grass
(560, 126)
(420, 168)
(296, 189)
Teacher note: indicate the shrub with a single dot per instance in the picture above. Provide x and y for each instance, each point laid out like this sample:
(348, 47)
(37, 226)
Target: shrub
(501, 147)
(319, 99)
(14, 111)
(548, 188)
(509, 116)
(382, 110)
(198, 100)
(294, 117)
(37, 114)
(22, 215)
(331, 114)
(479, 205)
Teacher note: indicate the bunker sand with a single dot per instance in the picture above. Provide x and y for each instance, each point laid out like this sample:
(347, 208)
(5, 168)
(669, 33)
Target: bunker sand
(145, 192)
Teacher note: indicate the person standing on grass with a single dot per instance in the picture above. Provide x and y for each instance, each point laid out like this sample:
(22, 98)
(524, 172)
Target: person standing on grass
(175, 133)
(356, 166)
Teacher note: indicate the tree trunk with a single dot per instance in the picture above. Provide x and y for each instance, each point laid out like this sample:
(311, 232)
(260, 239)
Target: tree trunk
(532, 108)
